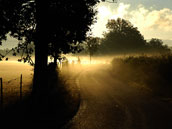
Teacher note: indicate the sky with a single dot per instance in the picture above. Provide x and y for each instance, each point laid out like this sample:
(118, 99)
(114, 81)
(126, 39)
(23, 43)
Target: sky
(153, 18)
(9, 43)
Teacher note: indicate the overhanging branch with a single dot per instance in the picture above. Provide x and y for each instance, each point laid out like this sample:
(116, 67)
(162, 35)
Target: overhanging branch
(112, 1)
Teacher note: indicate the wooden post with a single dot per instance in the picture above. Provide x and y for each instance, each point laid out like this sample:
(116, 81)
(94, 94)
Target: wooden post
(21, 87)
(1, 94)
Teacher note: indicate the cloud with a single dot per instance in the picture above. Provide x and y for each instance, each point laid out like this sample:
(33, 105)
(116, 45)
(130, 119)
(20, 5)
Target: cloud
(151, 22)
(9, 43)
(121, 11)
(152, 19)
(104, 14)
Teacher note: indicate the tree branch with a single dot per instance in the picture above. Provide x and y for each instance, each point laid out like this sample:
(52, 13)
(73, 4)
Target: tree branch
(113, 1)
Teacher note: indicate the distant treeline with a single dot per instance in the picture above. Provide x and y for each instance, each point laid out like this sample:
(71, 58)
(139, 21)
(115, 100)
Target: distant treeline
(123, 38)
(18, 50)
(23, 52)
(153, 46)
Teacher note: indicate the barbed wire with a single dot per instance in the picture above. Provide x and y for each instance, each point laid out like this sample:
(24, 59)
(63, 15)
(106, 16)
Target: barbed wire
(9, 81)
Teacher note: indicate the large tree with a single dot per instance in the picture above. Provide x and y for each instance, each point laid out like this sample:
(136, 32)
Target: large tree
(61, 23)
(122, 36)
(54, 26)
(57, 24)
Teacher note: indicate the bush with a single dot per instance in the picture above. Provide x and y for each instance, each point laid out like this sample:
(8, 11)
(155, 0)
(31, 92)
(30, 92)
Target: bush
(153, 72)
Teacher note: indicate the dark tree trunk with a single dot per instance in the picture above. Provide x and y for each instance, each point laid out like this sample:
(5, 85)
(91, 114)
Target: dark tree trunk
(55, 59)
(40, 70)
(41, 49)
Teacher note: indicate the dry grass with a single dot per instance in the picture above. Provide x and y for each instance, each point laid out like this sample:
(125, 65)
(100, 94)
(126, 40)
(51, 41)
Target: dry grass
(10, 72)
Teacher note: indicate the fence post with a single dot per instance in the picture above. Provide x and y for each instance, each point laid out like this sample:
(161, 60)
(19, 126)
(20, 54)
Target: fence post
(21, 87)
(1, 94)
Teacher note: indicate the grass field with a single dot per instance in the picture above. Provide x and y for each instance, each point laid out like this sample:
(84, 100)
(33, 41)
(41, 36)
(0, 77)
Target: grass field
(10, 72)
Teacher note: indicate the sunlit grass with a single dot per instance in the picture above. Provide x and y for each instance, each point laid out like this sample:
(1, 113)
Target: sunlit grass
(10, 72)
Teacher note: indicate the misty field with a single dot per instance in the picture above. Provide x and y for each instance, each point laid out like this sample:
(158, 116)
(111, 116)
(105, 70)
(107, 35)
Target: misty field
(10, 72)
(152, 73)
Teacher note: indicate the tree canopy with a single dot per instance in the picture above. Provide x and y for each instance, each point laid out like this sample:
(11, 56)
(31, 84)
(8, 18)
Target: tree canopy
(122, 36)
(54, 26)
(156, 45)
(63, 22)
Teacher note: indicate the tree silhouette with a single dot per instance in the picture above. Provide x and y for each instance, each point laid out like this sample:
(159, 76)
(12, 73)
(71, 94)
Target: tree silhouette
(122, 36)
(56, 24)
(92, 44)
(156, 45)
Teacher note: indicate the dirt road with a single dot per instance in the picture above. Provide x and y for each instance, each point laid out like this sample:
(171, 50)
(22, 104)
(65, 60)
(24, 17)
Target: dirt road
(108, 103)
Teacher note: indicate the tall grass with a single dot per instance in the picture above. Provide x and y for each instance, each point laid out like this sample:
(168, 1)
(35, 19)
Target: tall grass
(151, 72)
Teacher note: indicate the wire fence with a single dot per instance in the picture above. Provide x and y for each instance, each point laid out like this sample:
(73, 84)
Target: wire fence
(13, 90)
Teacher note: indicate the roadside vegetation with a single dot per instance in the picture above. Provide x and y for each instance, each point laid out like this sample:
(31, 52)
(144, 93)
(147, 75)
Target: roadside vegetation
(150, 72)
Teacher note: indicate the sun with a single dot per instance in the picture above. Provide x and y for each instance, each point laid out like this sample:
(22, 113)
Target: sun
(104, 11)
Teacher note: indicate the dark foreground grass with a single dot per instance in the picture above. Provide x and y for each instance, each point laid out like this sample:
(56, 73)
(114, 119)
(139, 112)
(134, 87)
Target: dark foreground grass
(59, 107)
(153, 73)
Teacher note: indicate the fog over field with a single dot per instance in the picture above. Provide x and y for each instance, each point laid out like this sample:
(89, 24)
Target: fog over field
(86, 64)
